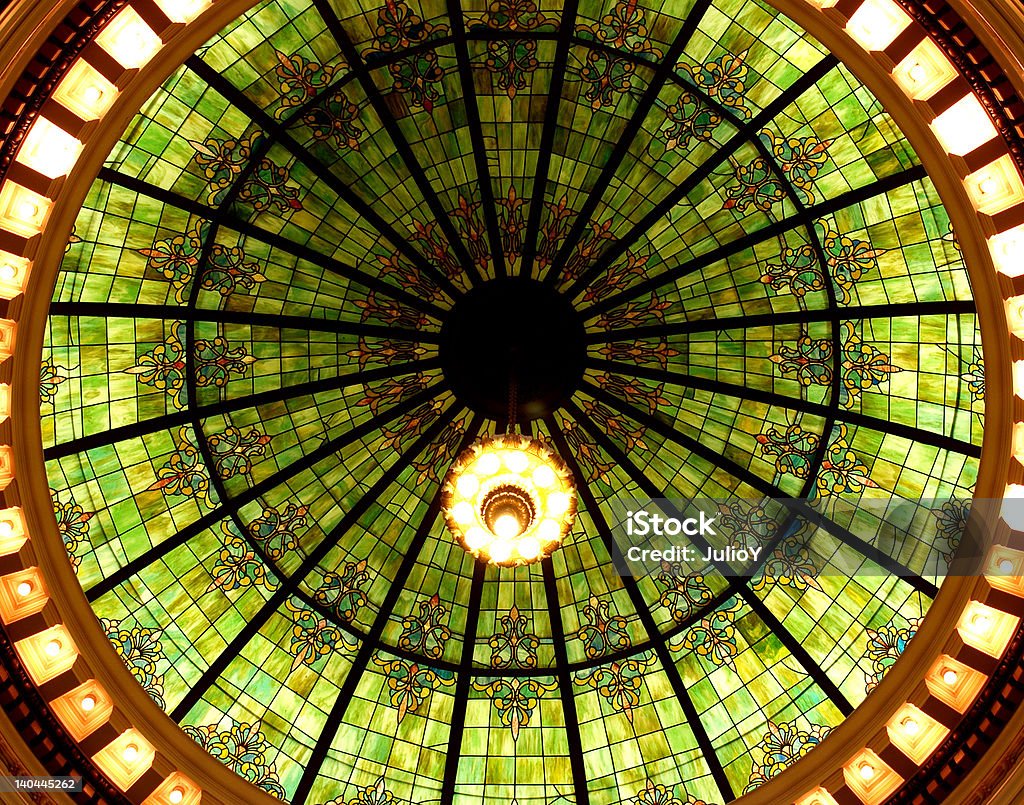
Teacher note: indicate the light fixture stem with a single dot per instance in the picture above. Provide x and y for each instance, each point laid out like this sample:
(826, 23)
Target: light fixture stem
(512, 401)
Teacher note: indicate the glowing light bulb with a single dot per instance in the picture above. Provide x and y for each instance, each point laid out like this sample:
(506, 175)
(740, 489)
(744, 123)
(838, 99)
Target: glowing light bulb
(529, 548)
(131, 753)
(183, 10)
(876, 23)
(92, 94)
(964, 127)
(917, 73)
(507, 526)
(129, 39)
(467, 485)
(477, 538)
(558, 503)
(88, 703)
(27, 211)
(988, 186)
(176, 795)
(464, 513)
(910, 726)
(544, 477)
(949, 676)
(516, 460)
(867, 771)
(1006, 566)
(7, 271)
(53, 648)
(1017, 372)
(548, 530)
(501, 550)
(488, 464)
(24, 589)
(48, 149)
(6, 529)
(980, 622)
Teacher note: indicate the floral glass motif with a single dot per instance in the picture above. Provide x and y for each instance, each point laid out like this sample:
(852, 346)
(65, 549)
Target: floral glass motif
(51, 376)
(515, 699)
(781, 747)
(178, 259)
(275, 529)
(425, 632)
(164, 367)
(602, 632)
(374, 794)
(313, 637)
(72, 525)
(266, 188)
(798, 159)
(514, 646)
(141, 651)
(884, 647)
(411, 684)
(863, 367)
(658, 794)
(799, 269)
(343, 592)
(623, 28)
(238, 566)
(184, 474)
(620, 682)
(793, 449)
(244, 749)
(511, 61)
(714, 636)
(683, 592)
(417, 77)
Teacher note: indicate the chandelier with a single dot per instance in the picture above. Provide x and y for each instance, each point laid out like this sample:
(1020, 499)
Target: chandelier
(509, 499)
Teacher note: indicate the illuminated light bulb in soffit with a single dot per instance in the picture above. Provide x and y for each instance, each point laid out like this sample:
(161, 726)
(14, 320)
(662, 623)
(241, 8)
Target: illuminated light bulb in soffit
(176, 796)
(24, 589)
(980, 623)
(129, 39)
(27, 210)
(88, 703)
(48, 149)
(509, 499)
(867, 771)
(183, 10)
(949, 676)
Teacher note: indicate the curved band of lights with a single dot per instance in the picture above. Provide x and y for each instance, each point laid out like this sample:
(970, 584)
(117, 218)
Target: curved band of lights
(984, 616)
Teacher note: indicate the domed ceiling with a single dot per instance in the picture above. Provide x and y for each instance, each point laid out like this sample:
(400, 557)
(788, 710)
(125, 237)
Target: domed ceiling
(722, 272)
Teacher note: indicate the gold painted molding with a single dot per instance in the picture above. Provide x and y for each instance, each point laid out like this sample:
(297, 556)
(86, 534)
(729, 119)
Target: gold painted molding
(28, 22)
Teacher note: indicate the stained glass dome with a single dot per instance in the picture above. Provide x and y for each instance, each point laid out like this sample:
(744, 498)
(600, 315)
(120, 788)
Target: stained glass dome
(730, 277)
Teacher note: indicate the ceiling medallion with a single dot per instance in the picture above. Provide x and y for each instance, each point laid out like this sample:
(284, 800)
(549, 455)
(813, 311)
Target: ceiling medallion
(509, 499)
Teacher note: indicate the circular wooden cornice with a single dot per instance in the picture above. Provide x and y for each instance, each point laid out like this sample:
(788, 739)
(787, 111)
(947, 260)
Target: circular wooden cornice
(976, 755)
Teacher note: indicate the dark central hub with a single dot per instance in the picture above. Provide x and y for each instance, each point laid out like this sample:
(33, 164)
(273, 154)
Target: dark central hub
(513, 331)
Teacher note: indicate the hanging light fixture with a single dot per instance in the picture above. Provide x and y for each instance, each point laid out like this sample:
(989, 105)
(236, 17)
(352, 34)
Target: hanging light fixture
(509, 499)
